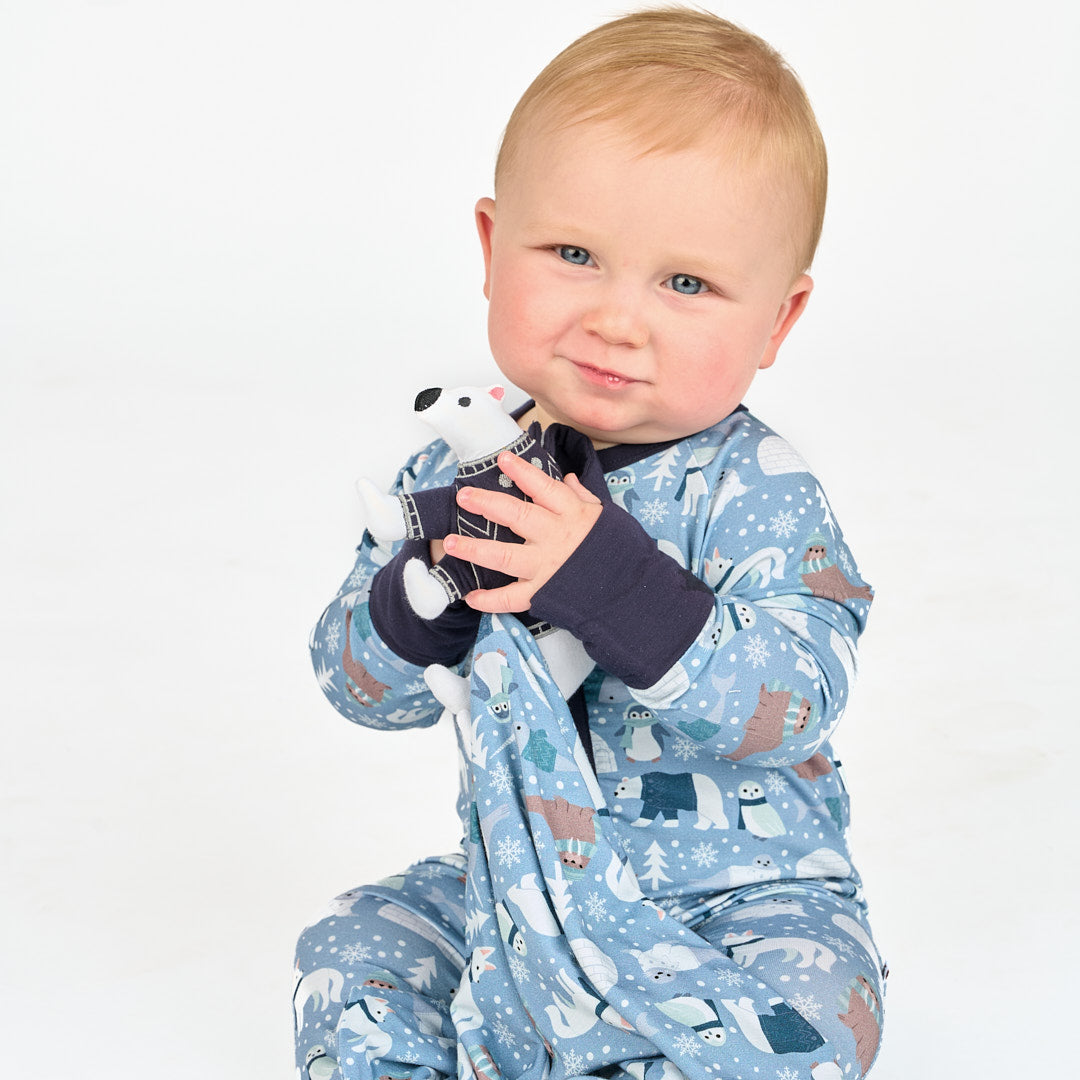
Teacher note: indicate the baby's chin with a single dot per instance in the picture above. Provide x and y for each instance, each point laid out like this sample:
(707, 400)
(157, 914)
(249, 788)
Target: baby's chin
(639, 435)
(604, 431)
(611, 424)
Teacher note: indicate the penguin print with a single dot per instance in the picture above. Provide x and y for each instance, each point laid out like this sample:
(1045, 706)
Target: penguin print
(638, 740)
(620, 484)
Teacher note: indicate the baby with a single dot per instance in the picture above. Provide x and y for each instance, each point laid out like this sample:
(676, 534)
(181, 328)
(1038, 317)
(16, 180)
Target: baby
(654, 879)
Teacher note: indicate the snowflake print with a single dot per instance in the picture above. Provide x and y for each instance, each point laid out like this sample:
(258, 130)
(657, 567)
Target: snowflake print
(687, 1044)
(356, 578)
(784, 525)
(776, 784)
(519, 969)
(776, 763)
(654, 511)
(704, 855)
(573, 1062)
(417, 687)
(333, 637)
(807, 1006)
(355, 954)
(509, 851)
(841, 945)
(503, 1032)
(684, 749)
(501, 780)
(596, 905)
(729, 977)
(787, 1073)
(845, 562)
(757, 652)
(410, 1057)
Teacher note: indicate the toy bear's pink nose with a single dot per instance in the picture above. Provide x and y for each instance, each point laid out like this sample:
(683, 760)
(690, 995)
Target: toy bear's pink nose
(426, 398)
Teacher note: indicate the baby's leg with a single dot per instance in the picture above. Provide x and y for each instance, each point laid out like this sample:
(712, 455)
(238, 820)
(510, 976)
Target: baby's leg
(373, 979)
(809, 995)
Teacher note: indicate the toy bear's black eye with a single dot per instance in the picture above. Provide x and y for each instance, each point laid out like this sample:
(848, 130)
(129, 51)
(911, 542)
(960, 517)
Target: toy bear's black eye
(464, 402)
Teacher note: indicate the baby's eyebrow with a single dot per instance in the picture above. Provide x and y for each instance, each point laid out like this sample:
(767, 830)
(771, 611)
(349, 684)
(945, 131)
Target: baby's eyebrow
(548, 229)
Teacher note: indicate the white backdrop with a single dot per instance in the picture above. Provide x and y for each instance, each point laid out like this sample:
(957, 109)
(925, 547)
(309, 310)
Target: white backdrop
(235, 238)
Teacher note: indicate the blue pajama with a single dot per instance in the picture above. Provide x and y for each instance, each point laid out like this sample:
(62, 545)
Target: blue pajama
(367, 949)
(671, 894)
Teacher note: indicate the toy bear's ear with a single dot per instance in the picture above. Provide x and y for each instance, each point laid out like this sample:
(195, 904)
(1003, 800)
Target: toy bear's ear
(496, 392)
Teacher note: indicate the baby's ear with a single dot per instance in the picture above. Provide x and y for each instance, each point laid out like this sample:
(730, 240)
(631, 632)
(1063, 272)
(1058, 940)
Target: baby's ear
(793, 306)
(485, 224)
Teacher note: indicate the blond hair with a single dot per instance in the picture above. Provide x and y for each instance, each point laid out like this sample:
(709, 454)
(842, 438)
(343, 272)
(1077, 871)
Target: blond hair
(673, 78)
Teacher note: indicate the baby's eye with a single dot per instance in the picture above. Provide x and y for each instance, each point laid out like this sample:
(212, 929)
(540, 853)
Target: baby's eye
(576, 255)
(687, 285)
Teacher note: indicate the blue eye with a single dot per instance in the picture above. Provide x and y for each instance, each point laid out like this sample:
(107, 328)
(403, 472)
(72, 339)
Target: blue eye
(687, 285)
(576, 255)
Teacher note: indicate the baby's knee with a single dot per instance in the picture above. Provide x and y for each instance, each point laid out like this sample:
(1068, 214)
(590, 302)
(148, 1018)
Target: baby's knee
(324, 941)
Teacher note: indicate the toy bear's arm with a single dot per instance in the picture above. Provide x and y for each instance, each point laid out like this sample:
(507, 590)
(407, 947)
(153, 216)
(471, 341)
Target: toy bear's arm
(445, 639)
(429, 514)
(368, 674)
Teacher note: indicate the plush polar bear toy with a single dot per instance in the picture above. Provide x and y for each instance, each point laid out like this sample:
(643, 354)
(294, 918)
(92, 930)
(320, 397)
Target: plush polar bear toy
(477, 428)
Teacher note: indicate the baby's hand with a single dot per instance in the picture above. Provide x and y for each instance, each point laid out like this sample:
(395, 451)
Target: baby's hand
(552, 525)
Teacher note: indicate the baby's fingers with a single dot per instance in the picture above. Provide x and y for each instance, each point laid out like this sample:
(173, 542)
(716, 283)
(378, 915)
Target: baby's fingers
(544, 490)
(515, 597)
(503, 509)
(510, 559)
(579, 489)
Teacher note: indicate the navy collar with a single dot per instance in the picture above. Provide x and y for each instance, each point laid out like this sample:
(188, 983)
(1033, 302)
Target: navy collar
(621, 455)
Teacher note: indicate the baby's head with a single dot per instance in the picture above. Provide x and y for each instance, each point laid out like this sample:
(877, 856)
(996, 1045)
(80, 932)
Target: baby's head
(673, 78)
(660, 192)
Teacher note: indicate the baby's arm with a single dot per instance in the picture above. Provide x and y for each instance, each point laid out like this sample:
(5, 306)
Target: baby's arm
(368, 648)
(759, 667)
(751, 651)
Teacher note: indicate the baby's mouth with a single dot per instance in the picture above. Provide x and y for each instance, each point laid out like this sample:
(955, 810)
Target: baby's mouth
(609, 378)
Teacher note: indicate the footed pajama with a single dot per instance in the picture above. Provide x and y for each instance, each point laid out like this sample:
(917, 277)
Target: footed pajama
(662, 890)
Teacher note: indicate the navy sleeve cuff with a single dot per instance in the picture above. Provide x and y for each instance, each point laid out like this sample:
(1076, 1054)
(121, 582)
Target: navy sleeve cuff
(445, 640)
(635, 609)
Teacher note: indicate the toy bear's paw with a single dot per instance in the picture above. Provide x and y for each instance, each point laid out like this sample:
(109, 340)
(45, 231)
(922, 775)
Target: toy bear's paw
(383, 515)
(450, 690)
(426, 596)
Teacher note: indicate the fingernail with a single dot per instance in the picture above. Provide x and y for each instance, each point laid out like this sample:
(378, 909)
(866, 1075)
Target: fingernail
(449, 542)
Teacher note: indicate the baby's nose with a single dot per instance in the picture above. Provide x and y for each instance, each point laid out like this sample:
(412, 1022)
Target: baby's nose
(617, 320)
